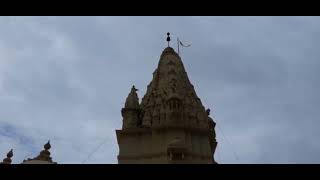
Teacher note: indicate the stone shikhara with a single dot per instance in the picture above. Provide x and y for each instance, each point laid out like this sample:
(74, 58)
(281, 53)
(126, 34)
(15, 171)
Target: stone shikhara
(170, 125)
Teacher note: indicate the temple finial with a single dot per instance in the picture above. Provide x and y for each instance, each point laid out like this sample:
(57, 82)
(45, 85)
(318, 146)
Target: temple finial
(47, 146)
(208, 111)
(168, 38)
(10, 154)
(134, 89)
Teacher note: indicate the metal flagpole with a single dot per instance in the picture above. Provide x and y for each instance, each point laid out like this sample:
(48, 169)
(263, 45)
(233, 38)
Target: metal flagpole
(178, 46)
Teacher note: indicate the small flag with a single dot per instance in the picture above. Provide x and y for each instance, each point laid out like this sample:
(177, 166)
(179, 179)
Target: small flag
(180, 43)
(184, 45)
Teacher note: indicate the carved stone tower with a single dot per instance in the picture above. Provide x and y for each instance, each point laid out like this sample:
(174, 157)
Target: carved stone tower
(170, 125)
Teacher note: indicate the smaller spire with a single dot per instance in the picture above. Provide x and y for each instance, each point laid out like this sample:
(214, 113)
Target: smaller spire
(8, 160)
(44, 156)
(168, 38)
(132, 100)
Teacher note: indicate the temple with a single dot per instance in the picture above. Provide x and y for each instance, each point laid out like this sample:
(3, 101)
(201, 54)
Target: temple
(170, 125)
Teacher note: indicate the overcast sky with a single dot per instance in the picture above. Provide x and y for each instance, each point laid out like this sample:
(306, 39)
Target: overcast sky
(66, 79)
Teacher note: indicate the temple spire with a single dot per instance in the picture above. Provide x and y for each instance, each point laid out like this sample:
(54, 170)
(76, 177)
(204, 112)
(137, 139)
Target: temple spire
(8, 160)
(170, 119)
(131, 110)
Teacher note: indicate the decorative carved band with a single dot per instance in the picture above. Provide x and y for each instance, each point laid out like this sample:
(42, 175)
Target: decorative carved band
(160, 154)
(163, 128)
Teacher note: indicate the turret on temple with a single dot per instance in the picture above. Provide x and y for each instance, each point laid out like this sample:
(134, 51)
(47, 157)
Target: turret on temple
(131, 110)
(43, 158)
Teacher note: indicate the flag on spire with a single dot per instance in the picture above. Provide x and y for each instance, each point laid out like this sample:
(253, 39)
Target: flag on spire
(184, 45)
(180, 43)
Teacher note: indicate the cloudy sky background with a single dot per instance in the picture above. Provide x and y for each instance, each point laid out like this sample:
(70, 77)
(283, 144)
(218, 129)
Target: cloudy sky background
(66, 79)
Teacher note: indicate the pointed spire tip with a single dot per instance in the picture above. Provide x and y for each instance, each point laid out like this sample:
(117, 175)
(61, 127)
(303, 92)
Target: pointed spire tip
(10, 153)
(47, 146)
